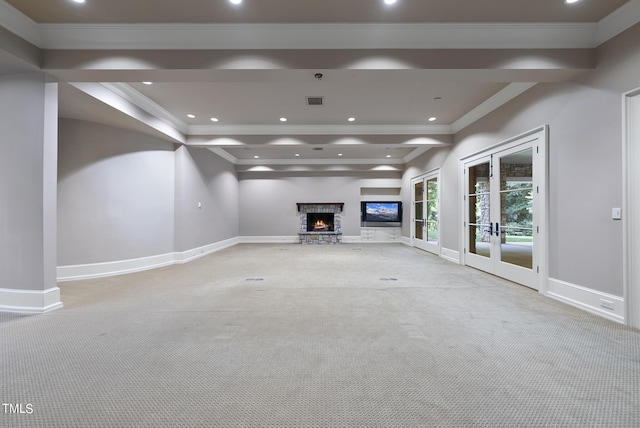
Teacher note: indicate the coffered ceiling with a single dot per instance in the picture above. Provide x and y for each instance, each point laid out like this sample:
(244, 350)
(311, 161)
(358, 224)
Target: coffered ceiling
(223, 75)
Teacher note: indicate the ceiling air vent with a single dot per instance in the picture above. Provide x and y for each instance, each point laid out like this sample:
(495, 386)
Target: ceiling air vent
(315, 101)
(317, 149)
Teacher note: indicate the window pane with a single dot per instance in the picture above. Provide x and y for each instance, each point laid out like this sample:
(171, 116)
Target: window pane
(432, 231)
(432, 189)
(479, 178)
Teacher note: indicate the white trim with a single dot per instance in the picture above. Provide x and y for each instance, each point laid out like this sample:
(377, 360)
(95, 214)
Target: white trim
(196, 253)
(631, 205)
(320, 36)
(223, 154)
(19, 23)
(450, 255)
(415, 153)
(352, 239)
(586, 299)
(29, 301)
(121, 267)
(373, 161)
(225, 130)
(132, 95)
(406, 241)
(106, 94)
(541, 206)
(618, 21)
(269, 239)
(492, 103)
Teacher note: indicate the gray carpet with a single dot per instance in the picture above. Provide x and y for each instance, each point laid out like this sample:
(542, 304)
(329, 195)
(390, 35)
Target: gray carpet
(325, 336)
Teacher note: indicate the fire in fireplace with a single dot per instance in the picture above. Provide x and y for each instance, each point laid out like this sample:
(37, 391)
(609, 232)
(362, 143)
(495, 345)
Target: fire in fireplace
(320, 222)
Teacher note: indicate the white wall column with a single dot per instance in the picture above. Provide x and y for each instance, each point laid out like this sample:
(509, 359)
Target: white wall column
(631, 157)
(28, 193)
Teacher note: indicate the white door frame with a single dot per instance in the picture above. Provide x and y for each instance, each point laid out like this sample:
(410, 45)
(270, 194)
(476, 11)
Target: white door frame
(541, 206)
(631, 206)
(425, 245)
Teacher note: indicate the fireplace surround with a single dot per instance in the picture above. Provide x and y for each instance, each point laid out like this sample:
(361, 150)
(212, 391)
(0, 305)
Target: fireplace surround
(320, 222)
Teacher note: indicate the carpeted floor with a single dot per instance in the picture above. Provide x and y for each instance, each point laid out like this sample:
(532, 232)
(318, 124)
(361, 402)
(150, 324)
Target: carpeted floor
(324, 336)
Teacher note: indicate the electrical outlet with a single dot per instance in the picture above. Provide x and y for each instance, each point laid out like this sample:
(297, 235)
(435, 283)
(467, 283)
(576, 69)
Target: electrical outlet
(607, 304)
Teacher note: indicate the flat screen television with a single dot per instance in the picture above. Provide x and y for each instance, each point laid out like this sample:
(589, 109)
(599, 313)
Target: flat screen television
(379, 213)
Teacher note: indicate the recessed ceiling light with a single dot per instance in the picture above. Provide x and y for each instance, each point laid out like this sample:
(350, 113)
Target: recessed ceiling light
(339, 154)
(388, 156)
(235, 1)
(433, 119)
(297, 155)
(148, 83)
(78, 1)
(283, 119)
(390, 1)
(191, 116)
(214, 119)
(351, 119)
(571, 1)
(256, 157)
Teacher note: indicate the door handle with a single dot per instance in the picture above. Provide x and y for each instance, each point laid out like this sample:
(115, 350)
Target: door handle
(497, 229)
(491, 229)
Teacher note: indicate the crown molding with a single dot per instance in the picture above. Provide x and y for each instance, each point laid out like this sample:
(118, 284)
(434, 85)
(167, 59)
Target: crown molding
(490, 104)
(223, 154)
(415, 153)
(320, 36)
(106, 94)
(19, 24)
(298, 162)
(618, 21)
(202, 130)
(130, 94)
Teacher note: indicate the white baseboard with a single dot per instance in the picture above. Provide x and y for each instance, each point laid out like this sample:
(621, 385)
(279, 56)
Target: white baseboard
(450, 255)
(352, 239)
(269, 239)
(587, 299)
(29, 301)
(295, 240)
(196, 253)
(121, 267)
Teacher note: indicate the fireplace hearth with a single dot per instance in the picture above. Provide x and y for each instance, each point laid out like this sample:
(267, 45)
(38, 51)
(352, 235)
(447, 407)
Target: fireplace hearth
(320, 223)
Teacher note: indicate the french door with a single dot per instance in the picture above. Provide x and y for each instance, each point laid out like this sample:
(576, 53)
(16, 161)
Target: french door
(425, 218)
(504, 210)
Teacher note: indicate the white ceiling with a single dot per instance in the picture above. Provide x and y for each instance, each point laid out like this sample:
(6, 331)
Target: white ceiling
(455, 60)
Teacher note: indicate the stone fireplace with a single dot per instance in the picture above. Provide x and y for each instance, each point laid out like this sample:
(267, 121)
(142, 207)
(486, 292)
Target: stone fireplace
(320, 223)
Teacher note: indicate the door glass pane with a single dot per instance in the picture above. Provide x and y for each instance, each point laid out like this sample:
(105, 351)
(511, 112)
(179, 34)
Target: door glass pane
(479, 210)
(432, 210)
(418, 224)
(417, 233)
(516, 208)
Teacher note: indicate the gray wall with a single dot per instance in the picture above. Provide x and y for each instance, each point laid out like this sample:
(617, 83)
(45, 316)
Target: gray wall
(203, 177)
(268, 203)
(115, 194)
(585, 161)
(27, 164)
(124, 195)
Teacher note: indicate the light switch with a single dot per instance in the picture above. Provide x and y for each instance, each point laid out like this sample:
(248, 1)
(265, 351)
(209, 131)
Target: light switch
(616, 213)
